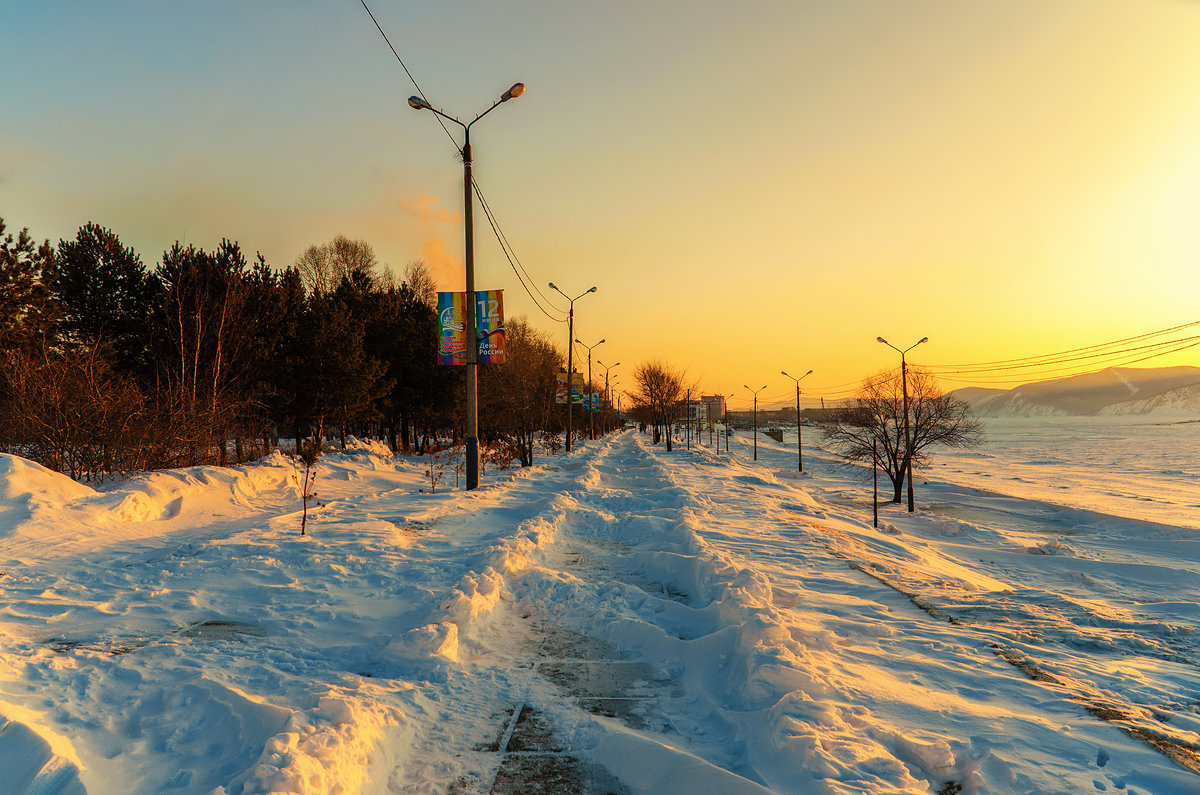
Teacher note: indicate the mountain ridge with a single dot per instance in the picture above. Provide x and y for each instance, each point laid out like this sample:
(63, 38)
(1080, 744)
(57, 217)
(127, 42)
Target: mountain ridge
(1156, 391)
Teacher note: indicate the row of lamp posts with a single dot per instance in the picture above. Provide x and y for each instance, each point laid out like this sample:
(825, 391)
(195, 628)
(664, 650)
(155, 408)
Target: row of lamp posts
(472, 435)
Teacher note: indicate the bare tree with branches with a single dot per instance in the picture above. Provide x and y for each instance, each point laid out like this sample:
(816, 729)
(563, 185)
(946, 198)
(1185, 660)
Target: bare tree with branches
(519, 394)
(322, 268)
(659, 390)
(419, 278)
(874, 424)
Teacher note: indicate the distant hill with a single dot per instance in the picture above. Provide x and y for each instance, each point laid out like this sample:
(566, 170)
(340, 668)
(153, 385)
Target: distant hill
(1159, 391)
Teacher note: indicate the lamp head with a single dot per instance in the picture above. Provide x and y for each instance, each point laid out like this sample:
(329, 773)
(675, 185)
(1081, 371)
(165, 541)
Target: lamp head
(517, 90)
(592, 290)
(784, 372)
(877, 339)
(552, 287)
(416, 103)
(809, 372)
(923, 339)
(579, 341)
(599, 342)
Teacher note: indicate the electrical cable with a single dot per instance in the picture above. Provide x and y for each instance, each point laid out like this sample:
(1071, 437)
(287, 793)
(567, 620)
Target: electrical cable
(417, 86)
(1072, 371)
(500, 236)
(509, 256)
(1102, 355)
(987, 365)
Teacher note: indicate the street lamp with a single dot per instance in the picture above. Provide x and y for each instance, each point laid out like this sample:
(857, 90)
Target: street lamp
(588, 402)
(799, 450)
(907, 434)
(570, 350)
(725, 420)
(472, 440)
(607, 398)
(755, 391)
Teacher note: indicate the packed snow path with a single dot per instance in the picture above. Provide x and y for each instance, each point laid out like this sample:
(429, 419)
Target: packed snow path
(618, 620)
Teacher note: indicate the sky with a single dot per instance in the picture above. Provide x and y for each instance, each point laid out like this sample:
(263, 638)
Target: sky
(751, 189)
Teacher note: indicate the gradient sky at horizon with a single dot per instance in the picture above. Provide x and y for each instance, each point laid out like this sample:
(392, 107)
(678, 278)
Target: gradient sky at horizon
(752, 189)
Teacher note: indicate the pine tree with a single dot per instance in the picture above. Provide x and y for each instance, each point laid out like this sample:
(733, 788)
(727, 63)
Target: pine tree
(25, 307)
(105, 296)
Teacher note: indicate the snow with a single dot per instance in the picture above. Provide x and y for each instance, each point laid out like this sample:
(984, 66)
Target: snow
(621, 618)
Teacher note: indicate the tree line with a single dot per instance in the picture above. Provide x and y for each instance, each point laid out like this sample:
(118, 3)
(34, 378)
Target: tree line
(108, 366)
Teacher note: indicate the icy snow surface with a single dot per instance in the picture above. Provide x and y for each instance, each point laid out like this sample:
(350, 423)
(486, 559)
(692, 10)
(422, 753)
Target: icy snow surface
(619, 620)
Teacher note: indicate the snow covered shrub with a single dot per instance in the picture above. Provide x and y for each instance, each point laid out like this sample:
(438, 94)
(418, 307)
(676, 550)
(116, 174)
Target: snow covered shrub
(310, 451)
(499, 454)
(434, 472)
(551, 442)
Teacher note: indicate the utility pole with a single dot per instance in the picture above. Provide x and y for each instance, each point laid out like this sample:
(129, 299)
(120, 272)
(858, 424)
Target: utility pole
(799, 432)
(755, 393)
(588, 401)
(875, 482)
(907, 434)
(472, 440)
(570, 353)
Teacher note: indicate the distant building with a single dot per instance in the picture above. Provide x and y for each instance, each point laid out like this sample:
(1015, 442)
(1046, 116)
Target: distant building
(712, 408)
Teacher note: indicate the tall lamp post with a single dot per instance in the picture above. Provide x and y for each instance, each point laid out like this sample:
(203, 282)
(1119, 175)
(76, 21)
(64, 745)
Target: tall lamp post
(588, 401)
(607, 398)
(907, 433)
(725, 404)
(799, 448)
(755, 392)
(570, 350)
(472, 440)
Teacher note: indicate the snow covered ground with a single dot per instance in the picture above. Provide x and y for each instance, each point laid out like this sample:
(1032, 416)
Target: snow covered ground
(618, 620)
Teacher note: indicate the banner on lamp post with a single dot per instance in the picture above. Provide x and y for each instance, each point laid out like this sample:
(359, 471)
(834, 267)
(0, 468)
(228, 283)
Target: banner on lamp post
(560, 388)
(489, 327)
(452, 331)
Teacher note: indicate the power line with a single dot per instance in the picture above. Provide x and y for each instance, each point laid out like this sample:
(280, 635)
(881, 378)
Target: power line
(1102, 355)
(1058, 373)
(989, 365)
(510, 257)
(514, 262)
(417, 86)
(501, 238)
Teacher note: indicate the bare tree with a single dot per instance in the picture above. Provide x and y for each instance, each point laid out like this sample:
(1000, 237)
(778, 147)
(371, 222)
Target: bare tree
(419, 279)
(322, 268)
(874, 424)
(659, 393)
(519, 394)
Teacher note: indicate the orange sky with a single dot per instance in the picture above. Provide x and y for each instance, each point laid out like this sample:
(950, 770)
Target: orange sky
(752, 188)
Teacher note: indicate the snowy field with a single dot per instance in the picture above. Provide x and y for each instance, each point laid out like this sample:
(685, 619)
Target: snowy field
(620, 620)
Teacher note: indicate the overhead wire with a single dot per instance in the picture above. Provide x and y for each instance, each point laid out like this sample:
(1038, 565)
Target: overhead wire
(1111, 343)
(1114, 354)
(403, 66)
(503, 240)
(513, 261)
(511, 256)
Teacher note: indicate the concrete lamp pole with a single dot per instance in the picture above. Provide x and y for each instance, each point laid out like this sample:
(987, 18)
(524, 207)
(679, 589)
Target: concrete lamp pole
(799, 448)
(472, 440)
(725, 404)
(907, 432)
(570, 350)
(607, 395)
(755, 393)
(591, 412)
